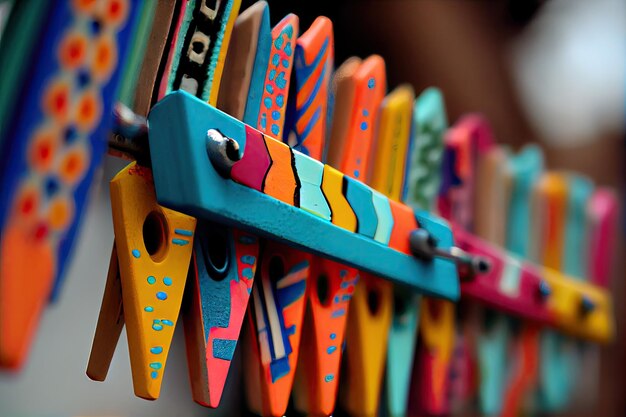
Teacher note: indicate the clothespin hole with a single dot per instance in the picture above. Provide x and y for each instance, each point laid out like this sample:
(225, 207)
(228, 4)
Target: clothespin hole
(276, 268)
(399, 304)
(155, 235)
(322, 289)
(217, 254)
(373, 300)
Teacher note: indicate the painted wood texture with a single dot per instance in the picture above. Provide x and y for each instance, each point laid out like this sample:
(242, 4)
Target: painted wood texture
(507, 203)
(240, 60)
(269, 395)
(388, 177)
(163, 26)
(330, 284)
(142, 25)
(273, 353)
(366, 85)
(271, 118)
(221, 276)
(110, 323)
(153, 269)
(196, 191)
(197, 55)
(276, 313)
(369, 314)
(313, 63)
(49, 156)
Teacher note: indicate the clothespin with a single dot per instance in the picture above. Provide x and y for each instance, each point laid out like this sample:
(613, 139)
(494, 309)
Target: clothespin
(271, 353)
(350, 150)
(525, 170)
(491, 197)
(330, 284)
(143, 227)
(469, 137)
(556, 361)
(51, 145)
(198, 49)
(225, 259)
(388, 177)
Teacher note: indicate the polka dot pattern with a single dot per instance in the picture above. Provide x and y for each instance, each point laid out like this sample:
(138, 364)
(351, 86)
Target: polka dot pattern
(58, 153)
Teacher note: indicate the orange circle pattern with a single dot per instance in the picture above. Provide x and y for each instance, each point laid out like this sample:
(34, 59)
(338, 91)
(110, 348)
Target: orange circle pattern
(59, 152)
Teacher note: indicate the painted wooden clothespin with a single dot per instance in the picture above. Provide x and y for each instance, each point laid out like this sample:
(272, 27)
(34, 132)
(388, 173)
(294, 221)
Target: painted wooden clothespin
(164, 26)
(50, 148)
(525, 170)
(601, 213)
(217, 342)
(277, 310)
(463, 142)
(388, 176)
(153, 247)
(330, 284)
(566, 199)
(225, 259)
(551, 201)
(491, 197)
(350, 151)
(198, 51)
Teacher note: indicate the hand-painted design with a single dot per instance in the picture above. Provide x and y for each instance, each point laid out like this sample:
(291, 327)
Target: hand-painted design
(330, 289)
(281, 181)
(253, 166)
(153, 283)
(360, 198)
(51, 151)
(259, 69)
(365, 366)
(384, 216)
(369, 91)
(276, 320)
(271, 117)
(426, 150)
(188, 119)
(403, 223)
(310, 173)
(431, 387)
(220, 290)
(313, 68)
(342, 214)
(197, 57)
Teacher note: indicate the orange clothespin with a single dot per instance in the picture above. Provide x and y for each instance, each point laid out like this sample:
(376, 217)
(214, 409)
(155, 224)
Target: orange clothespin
(153, 247)
(369, 316)
(277, 310)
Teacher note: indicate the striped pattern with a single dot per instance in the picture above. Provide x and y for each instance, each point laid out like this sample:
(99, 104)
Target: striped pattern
(376, 215)
(313, 70)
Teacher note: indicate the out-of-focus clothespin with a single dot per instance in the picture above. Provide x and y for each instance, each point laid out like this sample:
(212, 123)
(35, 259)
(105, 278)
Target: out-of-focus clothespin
(51, 145)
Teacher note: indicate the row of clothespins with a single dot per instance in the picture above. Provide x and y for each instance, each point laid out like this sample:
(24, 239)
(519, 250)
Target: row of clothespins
(300, 301)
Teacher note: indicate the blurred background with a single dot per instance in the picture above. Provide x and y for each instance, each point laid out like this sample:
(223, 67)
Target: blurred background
(549, 72)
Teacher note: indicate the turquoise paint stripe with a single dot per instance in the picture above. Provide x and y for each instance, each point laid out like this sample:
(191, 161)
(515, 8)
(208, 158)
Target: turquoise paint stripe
(198, 190)
(361, 200)
(385, 218)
